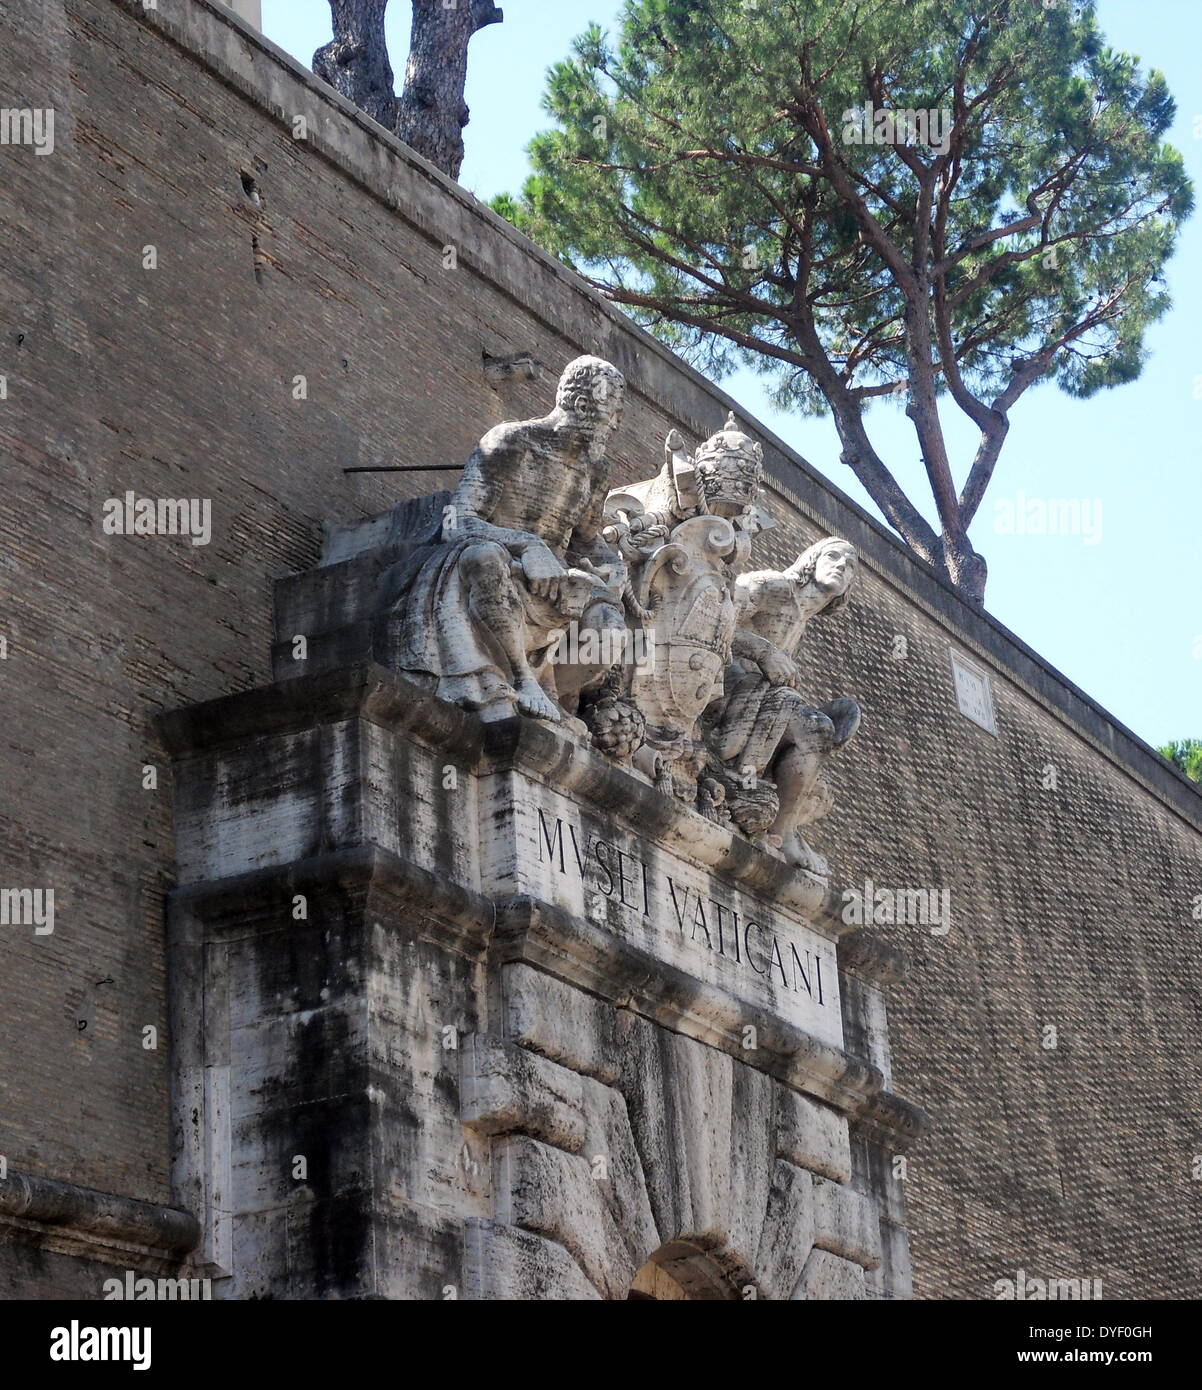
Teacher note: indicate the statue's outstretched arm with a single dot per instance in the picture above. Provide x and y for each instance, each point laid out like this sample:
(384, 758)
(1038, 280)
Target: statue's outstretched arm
(750, 645)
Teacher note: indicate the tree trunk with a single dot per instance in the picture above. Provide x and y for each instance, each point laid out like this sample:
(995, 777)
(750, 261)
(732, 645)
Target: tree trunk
(355, 62)
(965, 569)
(432, 111)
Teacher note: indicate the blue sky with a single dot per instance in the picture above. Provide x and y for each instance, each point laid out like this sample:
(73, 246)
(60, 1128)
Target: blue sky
(1119, 610)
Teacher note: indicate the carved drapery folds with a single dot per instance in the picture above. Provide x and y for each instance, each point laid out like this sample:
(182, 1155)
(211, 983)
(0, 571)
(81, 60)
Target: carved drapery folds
(632, 616)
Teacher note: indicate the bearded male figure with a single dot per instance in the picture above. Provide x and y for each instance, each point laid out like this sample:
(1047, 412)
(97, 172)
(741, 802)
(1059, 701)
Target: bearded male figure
(766, 729)
(478, 610)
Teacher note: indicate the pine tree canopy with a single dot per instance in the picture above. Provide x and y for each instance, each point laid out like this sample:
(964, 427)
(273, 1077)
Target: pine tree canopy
(945, 201)
(1185, 755)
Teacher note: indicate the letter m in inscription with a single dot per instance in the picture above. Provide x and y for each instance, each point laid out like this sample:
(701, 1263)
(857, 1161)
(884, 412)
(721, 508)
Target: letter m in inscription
(553, 843)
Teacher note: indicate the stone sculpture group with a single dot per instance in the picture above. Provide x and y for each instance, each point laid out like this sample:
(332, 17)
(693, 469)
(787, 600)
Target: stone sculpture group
(630, 616)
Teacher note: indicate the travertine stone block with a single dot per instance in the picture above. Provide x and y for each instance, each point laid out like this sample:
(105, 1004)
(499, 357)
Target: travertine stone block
(557, 1195)
(618, 1169)
(812, 1136)
(894, 1277)
(788, 1232)
(828, 1277)
(505, 1263)
(669, 1081)
(752, 1168)
(504, 1087)
(563, 1024)
(846, 1223)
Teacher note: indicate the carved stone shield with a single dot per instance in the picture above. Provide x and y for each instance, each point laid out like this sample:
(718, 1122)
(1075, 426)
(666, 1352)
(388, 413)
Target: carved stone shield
(686, 588)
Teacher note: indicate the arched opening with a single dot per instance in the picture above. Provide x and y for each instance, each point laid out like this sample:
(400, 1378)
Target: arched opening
(679, 1271)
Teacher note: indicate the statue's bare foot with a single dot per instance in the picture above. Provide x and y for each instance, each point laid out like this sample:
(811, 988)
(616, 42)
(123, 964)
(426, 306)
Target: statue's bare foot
(795, 851)
(534, 701)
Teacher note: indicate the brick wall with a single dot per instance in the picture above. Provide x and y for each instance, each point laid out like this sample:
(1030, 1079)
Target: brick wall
(1071, 905)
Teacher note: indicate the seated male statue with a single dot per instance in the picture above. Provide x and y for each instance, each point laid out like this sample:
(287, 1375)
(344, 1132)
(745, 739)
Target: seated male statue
(477, 612)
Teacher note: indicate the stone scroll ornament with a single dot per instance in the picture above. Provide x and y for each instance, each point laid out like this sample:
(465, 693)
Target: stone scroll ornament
(627, 616)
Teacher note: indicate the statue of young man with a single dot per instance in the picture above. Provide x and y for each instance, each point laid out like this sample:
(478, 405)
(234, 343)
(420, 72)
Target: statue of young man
(766, 727)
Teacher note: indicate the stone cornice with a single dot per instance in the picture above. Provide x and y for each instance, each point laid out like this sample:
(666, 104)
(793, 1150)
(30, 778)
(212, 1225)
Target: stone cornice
(890, 1120)
(369, 692)
(539, 934)
(95, 1225)
(391, 701)
(868, 955)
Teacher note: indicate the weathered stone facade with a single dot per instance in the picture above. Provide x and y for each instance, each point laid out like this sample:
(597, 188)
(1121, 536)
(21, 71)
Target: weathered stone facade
(451, 1020)
(323, 258)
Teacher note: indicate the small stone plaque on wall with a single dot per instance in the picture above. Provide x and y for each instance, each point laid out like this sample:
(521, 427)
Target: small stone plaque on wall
(974, 695)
